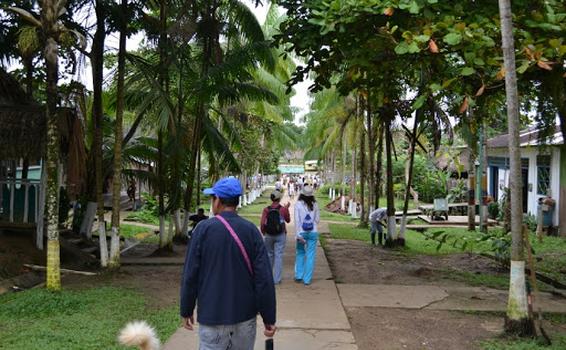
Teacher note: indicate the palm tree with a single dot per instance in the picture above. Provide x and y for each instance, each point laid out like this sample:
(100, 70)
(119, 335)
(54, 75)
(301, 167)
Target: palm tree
(518, 320)
(118, 135)
(50, 11)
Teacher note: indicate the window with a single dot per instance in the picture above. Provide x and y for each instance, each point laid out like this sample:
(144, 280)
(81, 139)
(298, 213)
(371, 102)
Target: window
(543, 175)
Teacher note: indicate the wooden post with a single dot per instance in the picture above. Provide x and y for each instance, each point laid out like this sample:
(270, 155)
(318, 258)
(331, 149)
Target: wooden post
(26, 201)
(36, 201)
(12, 190)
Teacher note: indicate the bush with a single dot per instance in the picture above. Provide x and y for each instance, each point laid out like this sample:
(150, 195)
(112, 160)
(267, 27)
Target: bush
(149, 212)
(493, 210)
(531, 221)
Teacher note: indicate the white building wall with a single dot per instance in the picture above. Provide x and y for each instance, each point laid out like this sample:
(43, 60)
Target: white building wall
(531, 154)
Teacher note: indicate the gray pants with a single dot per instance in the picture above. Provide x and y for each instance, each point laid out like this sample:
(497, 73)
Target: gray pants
(275, 246)
(376, 227)
(240, 336)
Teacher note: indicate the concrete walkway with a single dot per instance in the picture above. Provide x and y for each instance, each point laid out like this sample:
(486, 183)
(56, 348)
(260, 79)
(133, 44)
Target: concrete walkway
(430, 297)
(308, 317)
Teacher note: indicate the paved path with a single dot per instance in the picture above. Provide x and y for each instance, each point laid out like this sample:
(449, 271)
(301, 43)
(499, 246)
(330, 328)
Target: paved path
(308, 318)
(431, 297)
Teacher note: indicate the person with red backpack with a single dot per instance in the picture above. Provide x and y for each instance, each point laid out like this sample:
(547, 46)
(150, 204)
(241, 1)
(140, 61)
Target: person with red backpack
(273, 227)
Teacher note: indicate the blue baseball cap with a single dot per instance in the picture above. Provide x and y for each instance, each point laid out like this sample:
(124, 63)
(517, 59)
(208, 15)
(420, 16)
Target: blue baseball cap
(228, 187)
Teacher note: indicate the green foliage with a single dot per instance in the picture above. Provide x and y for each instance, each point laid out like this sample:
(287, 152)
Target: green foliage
(84, 319)
(531, 221)
(149, 212)
(558, 343)
(493, 210)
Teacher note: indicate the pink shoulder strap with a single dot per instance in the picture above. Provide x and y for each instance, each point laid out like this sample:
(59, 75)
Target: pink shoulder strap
(238, 242)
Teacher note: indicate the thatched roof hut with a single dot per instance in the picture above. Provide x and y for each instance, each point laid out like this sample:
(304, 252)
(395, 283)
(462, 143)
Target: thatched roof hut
(22, 121)
(23, 130)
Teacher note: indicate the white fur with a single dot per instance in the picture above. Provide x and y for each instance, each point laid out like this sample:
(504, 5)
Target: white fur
(140, 334)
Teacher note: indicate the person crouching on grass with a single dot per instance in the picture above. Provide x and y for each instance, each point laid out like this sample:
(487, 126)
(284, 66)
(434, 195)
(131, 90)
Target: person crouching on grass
(227, 272)
(375, 218)
(307, 217)
(273, 219)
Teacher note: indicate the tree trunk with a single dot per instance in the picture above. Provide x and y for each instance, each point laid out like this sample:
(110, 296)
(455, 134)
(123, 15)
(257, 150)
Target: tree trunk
(114, 260)
(164, 242)
(409, 181)
(471, 191)
(484, 214)
(49, 16)
(379, 169)
(518, 320)
(390, 242)
(562, 203)
(362, 152)
(371, 156)
(199, 167)
(97, 61)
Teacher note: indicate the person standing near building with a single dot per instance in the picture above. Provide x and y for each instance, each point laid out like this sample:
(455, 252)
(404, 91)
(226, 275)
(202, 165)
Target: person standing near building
(307, 217)
(375, 218)
(273, 219)
(227, 272)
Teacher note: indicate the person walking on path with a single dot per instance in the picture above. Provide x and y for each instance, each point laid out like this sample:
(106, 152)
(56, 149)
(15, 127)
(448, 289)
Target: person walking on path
(273, 219)
(307, 217)
(227, 272)
(375, 218)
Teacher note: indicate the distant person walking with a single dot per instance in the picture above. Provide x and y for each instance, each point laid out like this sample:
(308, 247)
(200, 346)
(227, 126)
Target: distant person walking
(273, 227)
(307, 217)
(195, 219)
(227, 272)
(375, 218)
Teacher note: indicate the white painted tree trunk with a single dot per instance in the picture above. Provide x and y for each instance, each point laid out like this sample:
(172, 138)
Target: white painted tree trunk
(114, 259)
(517, 311)
(403, 228)
(177, 221)
(185, 226)
(88, 220)
(103, 244)
(162, 232)
(391, 228)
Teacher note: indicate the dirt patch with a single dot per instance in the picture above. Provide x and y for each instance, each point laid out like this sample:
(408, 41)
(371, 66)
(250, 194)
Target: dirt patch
(16, 249)
(159, 283)
(381, 328)
(358, 262)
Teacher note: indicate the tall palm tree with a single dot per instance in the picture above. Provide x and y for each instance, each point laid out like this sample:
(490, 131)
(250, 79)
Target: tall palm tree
(518, 320)
(50, 10)
(114, 260)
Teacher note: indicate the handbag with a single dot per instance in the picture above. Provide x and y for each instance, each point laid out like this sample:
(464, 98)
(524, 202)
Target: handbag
(238, 243)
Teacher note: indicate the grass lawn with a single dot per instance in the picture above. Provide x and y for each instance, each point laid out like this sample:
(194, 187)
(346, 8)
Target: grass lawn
(257, 207)
(80, 319)
(558, 343)
(144, 234)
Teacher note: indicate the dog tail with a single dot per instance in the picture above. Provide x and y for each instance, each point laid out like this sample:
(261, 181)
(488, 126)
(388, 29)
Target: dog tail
(140, 334)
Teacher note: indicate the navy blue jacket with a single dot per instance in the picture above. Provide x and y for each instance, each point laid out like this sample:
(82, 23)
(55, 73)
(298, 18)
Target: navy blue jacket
(217, 277)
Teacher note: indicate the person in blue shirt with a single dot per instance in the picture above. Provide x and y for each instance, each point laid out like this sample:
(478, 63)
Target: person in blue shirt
(227, 275)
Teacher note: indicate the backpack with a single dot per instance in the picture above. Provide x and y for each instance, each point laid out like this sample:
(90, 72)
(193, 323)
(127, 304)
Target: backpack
(308, 223)
(273, 224)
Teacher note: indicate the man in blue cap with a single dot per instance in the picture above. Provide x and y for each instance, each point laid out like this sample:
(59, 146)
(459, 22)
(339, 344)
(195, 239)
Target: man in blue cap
(227, 272)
